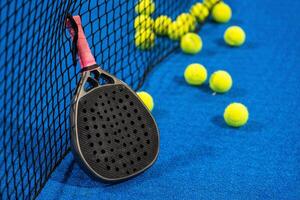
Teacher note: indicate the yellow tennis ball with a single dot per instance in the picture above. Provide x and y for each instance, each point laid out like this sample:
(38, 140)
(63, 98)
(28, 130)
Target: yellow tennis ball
(161, 25)
(147, 99)
(143, 22)
(188, 20)
(191, 43)
(200, 12)
(145, 7)
(195, 74)
(210, 3)
(236, 115)
(220, 81)
(144, 39)
(177, 30)
(221, 13)
(235, 36)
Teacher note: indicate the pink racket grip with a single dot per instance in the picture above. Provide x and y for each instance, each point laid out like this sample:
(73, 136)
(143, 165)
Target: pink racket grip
(85, 55)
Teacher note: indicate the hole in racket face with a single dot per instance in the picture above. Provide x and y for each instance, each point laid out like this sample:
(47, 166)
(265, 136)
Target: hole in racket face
(117, 135)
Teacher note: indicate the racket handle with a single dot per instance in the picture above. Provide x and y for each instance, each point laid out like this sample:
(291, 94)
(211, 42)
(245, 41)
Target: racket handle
(85, 55)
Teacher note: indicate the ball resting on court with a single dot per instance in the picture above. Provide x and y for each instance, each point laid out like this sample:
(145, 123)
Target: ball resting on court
(236, 115)
(220, 81)
(191, 43)
(221, 13)
(235, 36)
(147, 99)
(195, 74)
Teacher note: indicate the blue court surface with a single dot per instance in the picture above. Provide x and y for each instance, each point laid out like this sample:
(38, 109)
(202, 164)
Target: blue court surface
(200, 157)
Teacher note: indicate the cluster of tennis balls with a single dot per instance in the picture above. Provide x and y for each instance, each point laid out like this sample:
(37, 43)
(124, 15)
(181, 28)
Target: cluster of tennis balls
(234, 35)
(235, 114)
(184, 26)
(181, 29)
(196, 74)
(143, 24)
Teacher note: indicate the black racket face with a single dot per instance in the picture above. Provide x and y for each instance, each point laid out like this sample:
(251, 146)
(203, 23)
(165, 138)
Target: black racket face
(115, 135)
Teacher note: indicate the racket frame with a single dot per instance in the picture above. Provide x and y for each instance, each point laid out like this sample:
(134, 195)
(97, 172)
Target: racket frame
(90, 70)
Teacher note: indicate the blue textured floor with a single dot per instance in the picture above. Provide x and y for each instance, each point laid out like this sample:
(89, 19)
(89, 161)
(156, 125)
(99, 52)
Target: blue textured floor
(200, 157)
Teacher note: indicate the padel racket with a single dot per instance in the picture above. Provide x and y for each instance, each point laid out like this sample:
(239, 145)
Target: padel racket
(114, 135)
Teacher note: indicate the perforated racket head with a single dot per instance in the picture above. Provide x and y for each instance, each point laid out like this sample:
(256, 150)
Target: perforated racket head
(114, 134)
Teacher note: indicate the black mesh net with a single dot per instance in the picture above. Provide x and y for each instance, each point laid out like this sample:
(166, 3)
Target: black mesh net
(38, 77)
